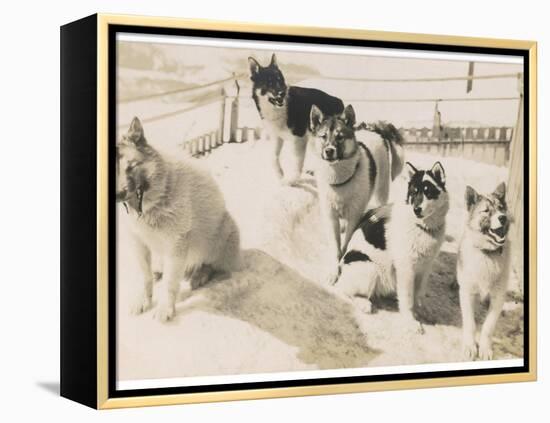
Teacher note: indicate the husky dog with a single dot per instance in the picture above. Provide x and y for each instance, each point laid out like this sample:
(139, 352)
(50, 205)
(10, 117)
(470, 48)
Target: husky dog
(285, 112)
(395, 245)
(348, 174)
(483, 266)
(177, 213)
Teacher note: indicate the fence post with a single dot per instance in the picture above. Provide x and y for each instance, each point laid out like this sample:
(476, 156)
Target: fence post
(230, 111)
(436, 129)
(213, 140)
(223, 108)
(514, 193)
(234, 119)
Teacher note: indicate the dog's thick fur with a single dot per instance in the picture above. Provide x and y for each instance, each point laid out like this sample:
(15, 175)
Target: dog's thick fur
(483, 266)
(349, 173)
(177, 213)
(285, 112)
(395, 245)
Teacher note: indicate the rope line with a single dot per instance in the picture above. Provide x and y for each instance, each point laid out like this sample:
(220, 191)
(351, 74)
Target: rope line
(333, 78)
(428, 100)
(179, 90)
(440, 79)
(174, 113)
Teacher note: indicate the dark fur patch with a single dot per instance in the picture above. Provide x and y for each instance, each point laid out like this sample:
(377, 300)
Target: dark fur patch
(391, 136)
(436, 179)
(300, 101)
(354, 255)
(387, 131)
(418, 188)
(374, 229)
(372, 164)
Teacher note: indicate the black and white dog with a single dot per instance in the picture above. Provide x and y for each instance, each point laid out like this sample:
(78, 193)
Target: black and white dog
(285, 112)
(394, 247)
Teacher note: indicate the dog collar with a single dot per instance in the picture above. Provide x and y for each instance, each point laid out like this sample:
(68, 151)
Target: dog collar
(431, 231)
(340, 172)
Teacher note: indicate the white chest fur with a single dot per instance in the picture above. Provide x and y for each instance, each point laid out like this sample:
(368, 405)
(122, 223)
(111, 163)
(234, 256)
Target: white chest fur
(354, 193)
(409, 242)
(482, 271)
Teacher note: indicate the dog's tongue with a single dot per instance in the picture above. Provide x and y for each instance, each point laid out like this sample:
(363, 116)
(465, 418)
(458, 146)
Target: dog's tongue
(498, 235)
(500, 232)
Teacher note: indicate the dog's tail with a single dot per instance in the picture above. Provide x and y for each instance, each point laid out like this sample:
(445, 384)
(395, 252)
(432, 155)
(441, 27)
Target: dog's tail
(394, 141)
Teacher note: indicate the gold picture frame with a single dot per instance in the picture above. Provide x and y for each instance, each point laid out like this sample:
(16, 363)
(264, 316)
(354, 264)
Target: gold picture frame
(96, 393)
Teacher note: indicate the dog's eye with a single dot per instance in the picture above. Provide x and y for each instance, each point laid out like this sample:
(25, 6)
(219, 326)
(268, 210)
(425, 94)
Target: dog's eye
(132, 165)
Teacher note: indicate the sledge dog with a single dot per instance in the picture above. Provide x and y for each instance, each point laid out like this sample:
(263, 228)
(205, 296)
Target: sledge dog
(393, 249)
(348, 174)
(177, 213)
(285, 112)
(483, 266)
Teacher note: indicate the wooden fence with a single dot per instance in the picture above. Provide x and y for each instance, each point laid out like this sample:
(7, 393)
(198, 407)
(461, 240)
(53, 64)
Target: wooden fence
(488, 145)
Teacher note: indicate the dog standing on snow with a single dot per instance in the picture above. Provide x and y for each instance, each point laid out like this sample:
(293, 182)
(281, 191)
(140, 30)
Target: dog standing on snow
(178, 214)
(285, 112)
(349, 173)
(483, 266)
(395, 245)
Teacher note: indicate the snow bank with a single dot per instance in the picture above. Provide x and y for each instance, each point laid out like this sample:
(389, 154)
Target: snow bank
(275, 315)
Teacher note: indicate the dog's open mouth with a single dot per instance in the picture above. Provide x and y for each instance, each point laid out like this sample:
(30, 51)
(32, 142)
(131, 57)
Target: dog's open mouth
(498, 235)
(121, 196)
(277, 102)
(134, 200)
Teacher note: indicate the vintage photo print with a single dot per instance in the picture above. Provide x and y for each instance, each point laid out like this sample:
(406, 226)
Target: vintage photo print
(292, 211)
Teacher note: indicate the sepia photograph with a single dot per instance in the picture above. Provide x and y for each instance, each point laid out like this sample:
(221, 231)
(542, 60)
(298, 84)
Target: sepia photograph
(295, 211)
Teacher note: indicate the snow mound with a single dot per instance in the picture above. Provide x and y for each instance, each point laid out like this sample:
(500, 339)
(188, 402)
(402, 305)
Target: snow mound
(274, 315)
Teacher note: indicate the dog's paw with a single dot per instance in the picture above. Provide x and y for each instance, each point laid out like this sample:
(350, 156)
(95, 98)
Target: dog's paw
(165, 312)
(331, 277)
(418, 328)
(485, 350)
(289, 182)
(469, 350)
(141, 304)
(411, 325)
(363, 304)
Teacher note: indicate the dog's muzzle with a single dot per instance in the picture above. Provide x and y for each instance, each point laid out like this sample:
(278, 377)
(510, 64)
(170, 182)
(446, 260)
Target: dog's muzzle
(122, 195)
(278, 100)
(498, 235)
(329, 153)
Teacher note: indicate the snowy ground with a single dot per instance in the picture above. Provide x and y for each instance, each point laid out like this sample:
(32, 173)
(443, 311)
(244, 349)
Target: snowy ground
(274, 315)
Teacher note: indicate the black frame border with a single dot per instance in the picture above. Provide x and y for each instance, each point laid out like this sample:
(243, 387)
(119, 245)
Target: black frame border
(114, 29)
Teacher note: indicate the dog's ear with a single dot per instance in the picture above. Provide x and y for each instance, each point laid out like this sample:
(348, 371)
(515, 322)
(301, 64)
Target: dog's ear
(348, 116)
(135, 132)
(254, 66)
(500, 192)
(438, 173)
(471, 197)
(316, 117)
(273, 61)
(411, 170)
